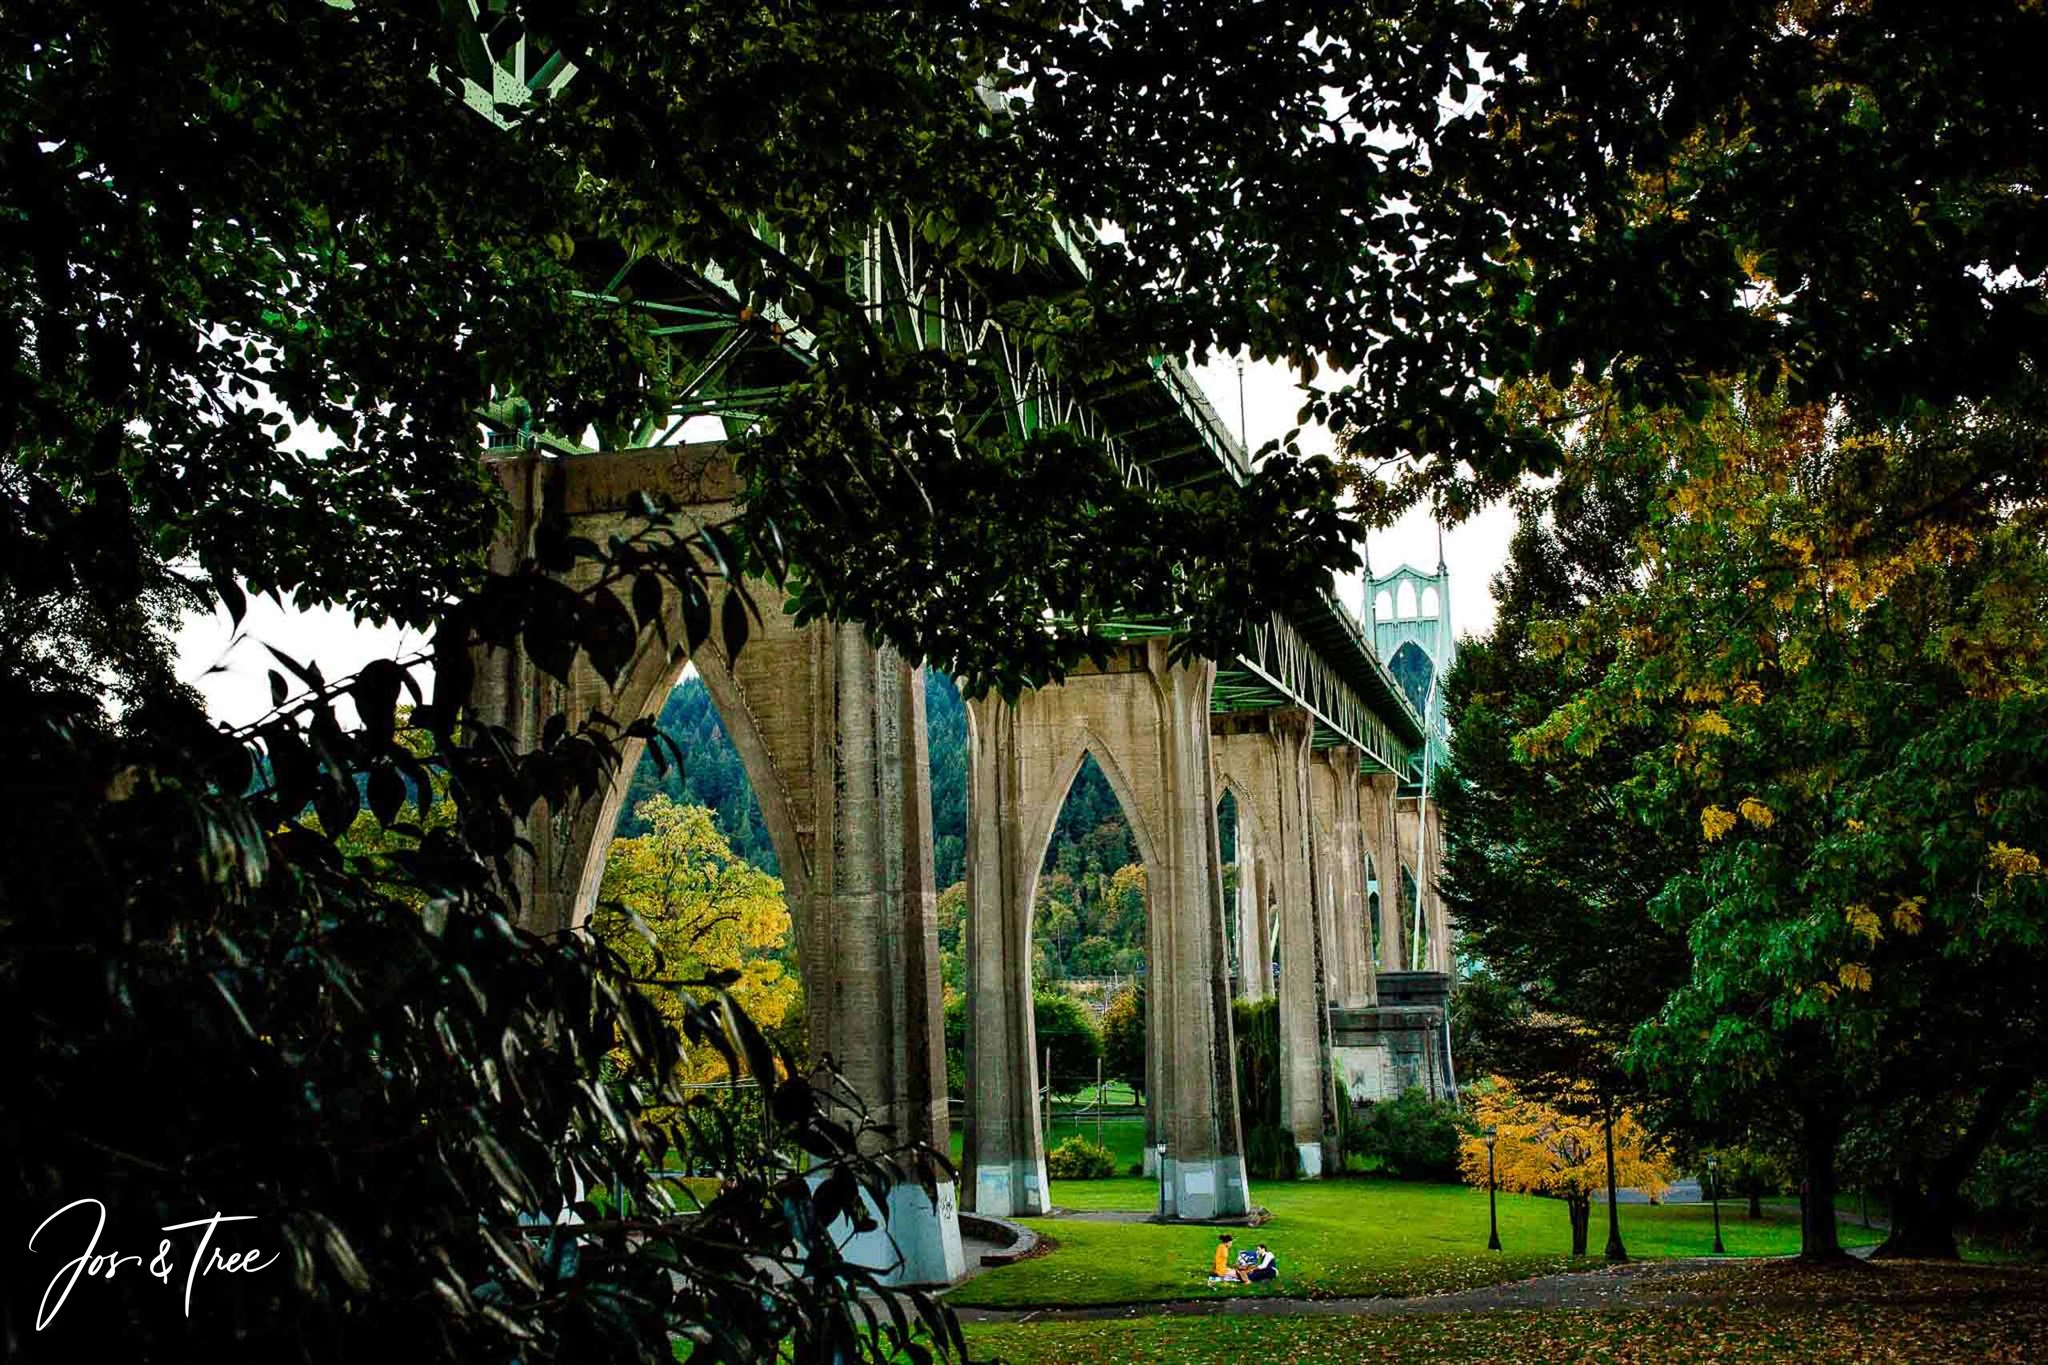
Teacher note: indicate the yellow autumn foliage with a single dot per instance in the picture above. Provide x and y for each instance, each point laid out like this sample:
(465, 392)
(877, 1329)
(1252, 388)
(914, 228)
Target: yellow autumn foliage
(1908, 917)
(2013, 863)
(1541, 1149)
(1715, 822)
(678, 903)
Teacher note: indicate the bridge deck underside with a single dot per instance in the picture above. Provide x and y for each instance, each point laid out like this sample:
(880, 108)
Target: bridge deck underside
(727, 356)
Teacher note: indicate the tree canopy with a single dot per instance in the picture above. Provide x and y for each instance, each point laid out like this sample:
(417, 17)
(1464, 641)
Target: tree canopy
(677, 906)
(1809, 703)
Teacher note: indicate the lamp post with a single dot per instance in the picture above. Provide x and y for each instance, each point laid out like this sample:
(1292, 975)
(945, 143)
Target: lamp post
(1714, 1193)
(1492, 1211)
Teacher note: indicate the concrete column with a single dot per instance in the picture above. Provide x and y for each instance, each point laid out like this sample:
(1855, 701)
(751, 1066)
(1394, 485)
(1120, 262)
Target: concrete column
(1350, 955)
(1269, 925)
(1003, 1148)
(1436, 914)
(1251, 943)
(872, 992)
(1378, 807)
(1301, 1069)
(1367, 982)
(1202, 1174)
(1268, 756)
(1420, 847)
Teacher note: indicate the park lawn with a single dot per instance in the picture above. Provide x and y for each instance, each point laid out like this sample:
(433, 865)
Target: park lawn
(1123, 1136)
(1345, 1238)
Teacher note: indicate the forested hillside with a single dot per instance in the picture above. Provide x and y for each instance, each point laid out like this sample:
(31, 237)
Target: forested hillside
(712, 775)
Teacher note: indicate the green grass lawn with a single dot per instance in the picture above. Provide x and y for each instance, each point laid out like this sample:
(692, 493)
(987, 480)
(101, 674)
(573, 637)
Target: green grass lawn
(1123, 1136)
(1338, 1238)
(1113, 1092)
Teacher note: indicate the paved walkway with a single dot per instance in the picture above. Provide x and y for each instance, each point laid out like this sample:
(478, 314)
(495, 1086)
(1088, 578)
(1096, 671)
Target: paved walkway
(1105, 1215)
(1600, 1288)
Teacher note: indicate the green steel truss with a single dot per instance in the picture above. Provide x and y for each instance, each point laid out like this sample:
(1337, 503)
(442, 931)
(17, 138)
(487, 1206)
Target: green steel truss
(1150, 418)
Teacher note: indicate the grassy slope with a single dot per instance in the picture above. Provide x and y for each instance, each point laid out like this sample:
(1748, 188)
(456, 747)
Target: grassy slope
(1341, 1238)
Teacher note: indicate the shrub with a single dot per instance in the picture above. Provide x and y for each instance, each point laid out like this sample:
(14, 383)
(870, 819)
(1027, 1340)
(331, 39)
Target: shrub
(1411, 1136)
(1080, 1159)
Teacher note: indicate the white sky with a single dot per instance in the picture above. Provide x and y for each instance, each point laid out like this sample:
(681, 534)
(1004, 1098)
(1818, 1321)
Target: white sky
(1474, 550)
(230, 668)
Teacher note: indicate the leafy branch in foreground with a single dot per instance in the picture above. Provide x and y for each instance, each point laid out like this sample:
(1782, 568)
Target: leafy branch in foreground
(413, 1098)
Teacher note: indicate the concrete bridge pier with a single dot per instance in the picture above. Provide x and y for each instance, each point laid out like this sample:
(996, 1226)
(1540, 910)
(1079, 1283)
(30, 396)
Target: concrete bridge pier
(1003, 1147)
(1335, 786)
(1376, 809)
(1254, 934)
(831, 732)
(1145, 722)
(1436, 925)
(870, 946)
(1267, 756)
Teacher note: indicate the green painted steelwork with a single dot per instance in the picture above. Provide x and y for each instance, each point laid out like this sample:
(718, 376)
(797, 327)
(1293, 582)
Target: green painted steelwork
(1150, 417)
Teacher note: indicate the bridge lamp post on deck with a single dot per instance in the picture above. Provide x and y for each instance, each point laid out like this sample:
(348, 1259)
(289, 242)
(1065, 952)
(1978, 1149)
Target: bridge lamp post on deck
(1714, 1194)
(1492, 1210)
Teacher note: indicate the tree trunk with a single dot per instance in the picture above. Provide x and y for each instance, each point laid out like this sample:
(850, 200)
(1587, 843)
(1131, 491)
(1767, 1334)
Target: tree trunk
(1819, 1239)
(1924, 1206)
(1756, 1202)
(1581, 1209)
(1923, 1224)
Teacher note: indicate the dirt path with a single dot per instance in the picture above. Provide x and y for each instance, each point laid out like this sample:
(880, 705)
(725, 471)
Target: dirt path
(1600, 1288)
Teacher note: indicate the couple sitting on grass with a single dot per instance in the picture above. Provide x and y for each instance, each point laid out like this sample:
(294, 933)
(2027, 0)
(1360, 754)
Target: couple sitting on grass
(1250, 1267)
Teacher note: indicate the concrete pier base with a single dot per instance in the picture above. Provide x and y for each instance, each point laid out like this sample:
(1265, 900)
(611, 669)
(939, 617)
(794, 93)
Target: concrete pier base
(1012, 1189)
(1203, 1189)
(915, 1240)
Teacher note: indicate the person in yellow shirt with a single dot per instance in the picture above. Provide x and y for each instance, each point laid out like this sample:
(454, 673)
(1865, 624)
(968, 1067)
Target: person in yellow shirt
(1226, 1267)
